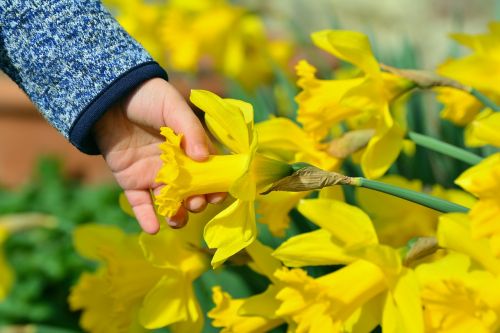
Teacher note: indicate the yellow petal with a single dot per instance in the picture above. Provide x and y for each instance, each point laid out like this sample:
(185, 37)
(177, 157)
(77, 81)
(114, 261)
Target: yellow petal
(348, 224)
(262, 260)
(454, 233)
(319, 101)
(159, 310)
(184, 177)
(485, 128)
(284, 138)
(226, 120)
(313, 248)
(482, 180)
(262, 305)
(273, 209)
(453, 265)
(383, 149)
(459, 106)
(350, 46)
(89, 239)
(477, 70)
(231, 230)
(226, 315)
(406, 296)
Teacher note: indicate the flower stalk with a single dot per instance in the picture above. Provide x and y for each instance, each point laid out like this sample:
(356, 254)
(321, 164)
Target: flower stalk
(445, 148)
(310, 178)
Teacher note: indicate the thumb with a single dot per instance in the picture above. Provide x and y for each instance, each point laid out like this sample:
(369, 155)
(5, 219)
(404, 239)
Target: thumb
(157, 103)
(180, 117)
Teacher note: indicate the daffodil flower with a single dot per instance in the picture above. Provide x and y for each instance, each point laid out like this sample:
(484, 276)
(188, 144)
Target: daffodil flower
(256, 313)
(479, 69)
(141, 283)
(324, 103)
(458, 298)
(461, 291)
(483, 181)
(221, 36)
(244, 173)
(388, 294)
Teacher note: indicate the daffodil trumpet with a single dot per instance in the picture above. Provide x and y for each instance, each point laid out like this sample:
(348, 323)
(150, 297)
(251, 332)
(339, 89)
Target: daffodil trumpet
(444, 148)
(310, 178)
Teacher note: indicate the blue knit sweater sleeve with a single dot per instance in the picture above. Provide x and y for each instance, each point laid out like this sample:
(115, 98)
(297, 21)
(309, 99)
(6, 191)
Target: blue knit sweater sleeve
(72, 59)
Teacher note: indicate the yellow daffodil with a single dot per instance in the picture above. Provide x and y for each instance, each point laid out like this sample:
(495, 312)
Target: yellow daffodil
(454, 233)
(460, 107)
(145, 281)
(481, 69)
(226, 315)
(461, 291)
(221, 36)
(397, 220)
(484, 130)
(256, 313)
(6, 273)
(286, 141)
(332, 302)
(243, 174)
(457, 298)
(324, 103)
(483, 180)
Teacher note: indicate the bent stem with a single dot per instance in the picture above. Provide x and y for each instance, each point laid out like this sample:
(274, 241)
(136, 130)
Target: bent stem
(445, 148)
(427, 80)
(309, 178)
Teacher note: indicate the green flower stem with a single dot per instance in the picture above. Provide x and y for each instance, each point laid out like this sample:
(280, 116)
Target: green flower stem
(485, 100)
(445, 148)
(413, 196)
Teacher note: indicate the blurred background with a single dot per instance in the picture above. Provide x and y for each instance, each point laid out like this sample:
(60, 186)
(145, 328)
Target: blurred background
(401, 30)
(245, 49)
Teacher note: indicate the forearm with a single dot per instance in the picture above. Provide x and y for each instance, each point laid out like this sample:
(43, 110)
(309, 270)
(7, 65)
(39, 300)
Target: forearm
(73, 60)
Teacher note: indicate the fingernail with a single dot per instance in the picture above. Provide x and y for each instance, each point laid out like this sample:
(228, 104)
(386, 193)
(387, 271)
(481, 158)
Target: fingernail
(200, 151)
(172, 223)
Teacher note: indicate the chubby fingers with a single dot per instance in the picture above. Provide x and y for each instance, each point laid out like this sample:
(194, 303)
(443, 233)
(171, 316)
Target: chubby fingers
(143, 209)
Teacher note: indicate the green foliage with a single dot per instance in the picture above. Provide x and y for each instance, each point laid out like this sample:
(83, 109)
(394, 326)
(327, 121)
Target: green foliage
(44, 260)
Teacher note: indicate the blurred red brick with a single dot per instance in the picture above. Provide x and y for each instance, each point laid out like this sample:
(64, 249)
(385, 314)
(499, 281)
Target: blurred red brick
(25, 136)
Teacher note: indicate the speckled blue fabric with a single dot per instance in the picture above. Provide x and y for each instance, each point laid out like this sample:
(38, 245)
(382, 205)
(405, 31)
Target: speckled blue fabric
(72, 59)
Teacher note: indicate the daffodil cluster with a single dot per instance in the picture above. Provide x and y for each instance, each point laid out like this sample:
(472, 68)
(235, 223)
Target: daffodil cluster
(201, 36)
(336, 260)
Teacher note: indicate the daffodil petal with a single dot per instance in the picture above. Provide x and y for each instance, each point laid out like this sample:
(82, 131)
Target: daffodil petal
(226, 120)
(351, 46)
(231, 230)
(348, 224)
(313, 248)
(88, 239)
(454, 233)
(406, 295)
(262, 260)
(383, 149)
(159, 310)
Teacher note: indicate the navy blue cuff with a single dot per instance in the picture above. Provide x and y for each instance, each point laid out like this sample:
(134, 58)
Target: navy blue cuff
(80, 134)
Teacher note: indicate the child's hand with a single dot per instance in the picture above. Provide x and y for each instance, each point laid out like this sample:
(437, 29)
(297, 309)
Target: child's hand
(128, 136)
